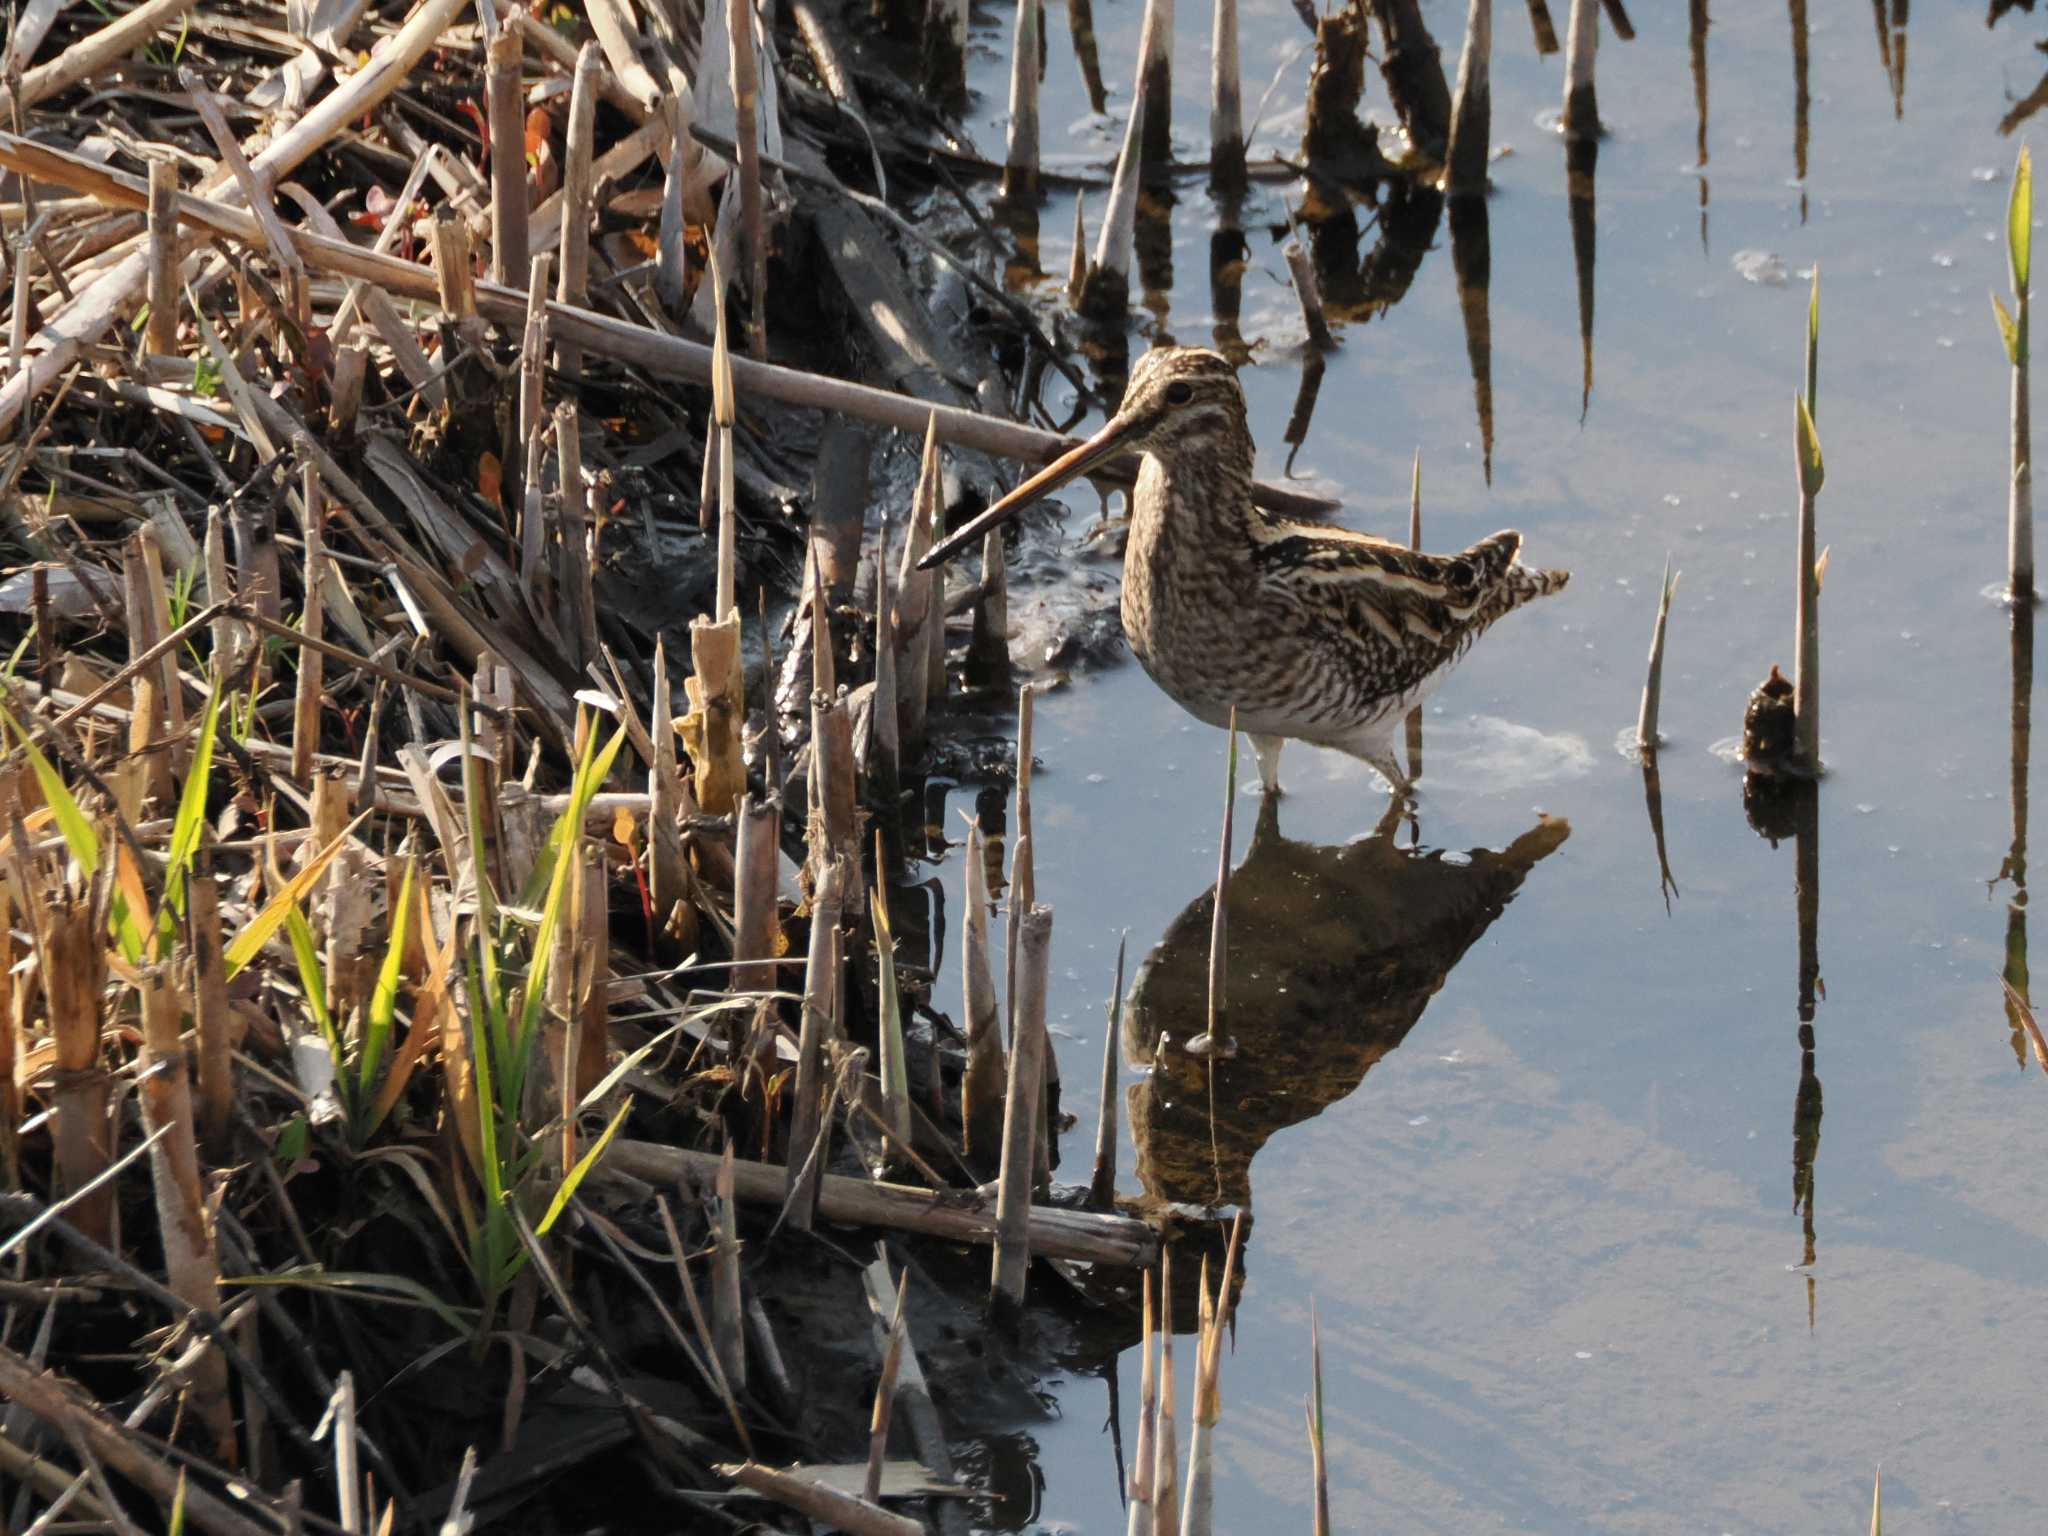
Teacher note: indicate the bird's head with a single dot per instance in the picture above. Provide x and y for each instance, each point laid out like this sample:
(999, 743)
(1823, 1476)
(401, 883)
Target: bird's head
(1178, 399)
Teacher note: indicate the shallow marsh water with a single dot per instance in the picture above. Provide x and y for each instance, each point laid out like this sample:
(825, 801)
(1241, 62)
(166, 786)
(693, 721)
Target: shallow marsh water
(1551, 1232)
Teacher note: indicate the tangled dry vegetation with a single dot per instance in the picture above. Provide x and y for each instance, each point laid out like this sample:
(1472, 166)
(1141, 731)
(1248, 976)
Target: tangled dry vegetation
(419, 985)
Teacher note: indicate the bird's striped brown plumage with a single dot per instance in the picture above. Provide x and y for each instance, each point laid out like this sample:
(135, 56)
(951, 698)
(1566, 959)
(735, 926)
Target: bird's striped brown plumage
(1309, 632)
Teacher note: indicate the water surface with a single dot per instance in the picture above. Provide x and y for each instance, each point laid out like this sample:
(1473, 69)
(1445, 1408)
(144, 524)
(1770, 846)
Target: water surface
(1596, 1242)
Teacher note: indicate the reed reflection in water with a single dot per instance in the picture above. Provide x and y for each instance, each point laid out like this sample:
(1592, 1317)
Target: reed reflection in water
(1334, 953)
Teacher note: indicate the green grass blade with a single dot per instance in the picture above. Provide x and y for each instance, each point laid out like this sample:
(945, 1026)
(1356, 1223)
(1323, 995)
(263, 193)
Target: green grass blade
(582, 1169)
(78, 834)
(177, 1525)
(1813, 345)
(313, 978)
(2019, 222)
(190, 821)
(377, 1024)
(2008, 330)
(250, 941)
(1812, 469)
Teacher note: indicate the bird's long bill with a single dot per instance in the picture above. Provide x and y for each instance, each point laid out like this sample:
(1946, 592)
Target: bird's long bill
(1072, 464)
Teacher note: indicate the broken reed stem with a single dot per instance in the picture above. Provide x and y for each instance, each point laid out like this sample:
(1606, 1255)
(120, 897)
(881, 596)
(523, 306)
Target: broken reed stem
(1226, 102)
(754, 925)
(892, 1064)
(1021, 1117)
(820, 984)
(1155, 46)
(945, 52)
(885, 750)
(981, 1084)
(1318, 1464)
(2019, 218)
(1102, 1185)
(211, 1019)
(73, 961)
(1020, 154)
(885, 1397)
(572, 279)
(920, 615)
(306, 698)
(1302, 270)
(453, 275)
(1811, 475)
(162, 335)
(1165, 1448)
(1582, 43)
(746, 96)
(1647, 738)
(1212, 1039)
(1140, 1477)
(728, 1314)
(989, 646)
(503, 59)
(1056, 1233)
(1471, 106)
(826, 1505)
(190, 1267)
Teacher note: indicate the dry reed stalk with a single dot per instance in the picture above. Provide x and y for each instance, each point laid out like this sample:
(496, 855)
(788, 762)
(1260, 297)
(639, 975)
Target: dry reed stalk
(987, 1063)
(530, 441)
(452, 271)
(1647, 738)
(1226, 102)
(72, 959)
(256, 191)
(1212, 1040)
(1055, 1233)
(17, 321)
(1140, 1477)
(1020, 152)
(1102, 1185)
(1165, 1448)
(1021, 1115)
(70, 1411)
(592, 1020)
(754, 925)
(989, 647)
(159, 594)
(826, 1505)
(669, 877)
(145, 776)
(728, 1316)
(1318, 1465)
(88, 56)
(575, 569)
(10, 1048)
(746, 95)
(2014, 330)
(307, 693)
(393, 329)
(1471, 106)
(1198, 1512)
(885, 747)
(717, 713)
(190, 1265)
(1582, 43)
(162, 335)
(1303, 271)
(820, 1005)
(351, 372)
(945, 52)
(892, 1062)
(885, 1397)
(642, 346)
(918, 610)
(1617, 14)
(1811, 474)
(212, 1020)
(1155, 107)
(572, 282)
(1105, 291)
(504, 56)
(1077, 259)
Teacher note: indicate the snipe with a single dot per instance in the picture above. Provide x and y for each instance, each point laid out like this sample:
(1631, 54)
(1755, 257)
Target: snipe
(1310, 632)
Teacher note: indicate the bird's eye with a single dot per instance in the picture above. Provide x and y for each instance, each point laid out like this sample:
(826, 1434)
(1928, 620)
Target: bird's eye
(1179, 394)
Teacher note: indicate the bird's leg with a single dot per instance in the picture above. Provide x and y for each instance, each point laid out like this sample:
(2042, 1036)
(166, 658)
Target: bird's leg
(1268, 748)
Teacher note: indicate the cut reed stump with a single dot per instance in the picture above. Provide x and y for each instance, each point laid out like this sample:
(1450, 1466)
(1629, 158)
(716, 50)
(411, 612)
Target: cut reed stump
(2013, 329)
(1582, 44)
(1471, 106)
(1021, 1119)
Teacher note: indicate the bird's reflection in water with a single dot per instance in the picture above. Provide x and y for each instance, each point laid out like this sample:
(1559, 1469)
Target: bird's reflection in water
(1333, 953)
